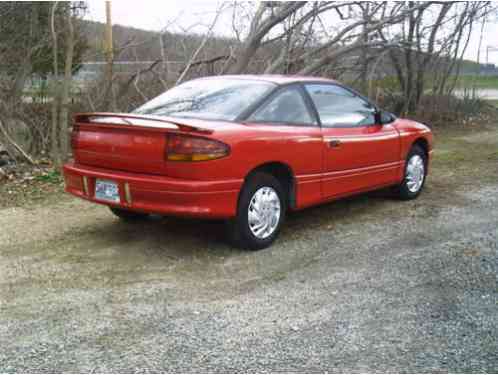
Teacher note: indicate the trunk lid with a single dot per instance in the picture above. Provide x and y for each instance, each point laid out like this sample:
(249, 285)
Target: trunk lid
(128, 142)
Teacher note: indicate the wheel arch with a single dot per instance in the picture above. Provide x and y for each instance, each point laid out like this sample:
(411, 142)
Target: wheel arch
(424, 144)
(283, 173)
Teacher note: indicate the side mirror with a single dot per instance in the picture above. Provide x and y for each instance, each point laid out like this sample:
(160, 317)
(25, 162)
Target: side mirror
(383, 117)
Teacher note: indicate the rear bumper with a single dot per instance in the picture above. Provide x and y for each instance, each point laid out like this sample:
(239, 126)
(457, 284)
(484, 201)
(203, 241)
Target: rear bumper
(157, 194)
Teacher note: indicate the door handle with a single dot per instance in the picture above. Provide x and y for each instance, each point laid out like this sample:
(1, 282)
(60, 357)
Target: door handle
(334, 143)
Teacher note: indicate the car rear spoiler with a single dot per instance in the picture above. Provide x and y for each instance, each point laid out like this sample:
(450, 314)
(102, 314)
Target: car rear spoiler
(124, 119)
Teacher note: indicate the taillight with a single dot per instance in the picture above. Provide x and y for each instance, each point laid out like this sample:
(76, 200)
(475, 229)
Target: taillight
(74, 136)
(182, 147)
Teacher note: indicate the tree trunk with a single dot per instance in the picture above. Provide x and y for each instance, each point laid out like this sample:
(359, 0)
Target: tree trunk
(260, 27)
(55, 93)
(429, 54)
(110, 57)
(66, 87)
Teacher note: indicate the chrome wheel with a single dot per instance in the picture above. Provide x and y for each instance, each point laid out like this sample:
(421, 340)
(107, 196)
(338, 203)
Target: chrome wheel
(264, 212)
(415, 173)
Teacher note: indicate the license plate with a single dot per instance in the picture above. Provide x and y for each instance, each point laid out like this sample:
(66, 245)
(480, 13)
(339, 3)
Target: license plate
(106, 191)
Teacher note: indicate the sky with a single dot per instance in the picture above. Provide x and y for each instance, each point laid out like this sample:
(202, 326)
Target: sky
(196, 15)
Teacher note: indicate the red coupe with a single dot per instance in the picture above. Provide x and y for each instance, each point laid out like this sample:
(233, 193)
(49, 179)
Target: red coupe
(245, 148)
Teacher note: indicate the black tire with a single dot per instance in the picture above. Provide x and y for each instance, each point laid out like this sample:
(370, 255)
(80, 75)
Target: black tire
(402, 191)
(128, 215)
(239, 230)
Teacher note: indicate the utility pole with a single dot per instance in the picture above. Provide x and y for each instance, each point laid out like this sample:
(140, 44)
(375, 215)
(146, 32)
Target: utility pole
(108, 36)
(109, 53)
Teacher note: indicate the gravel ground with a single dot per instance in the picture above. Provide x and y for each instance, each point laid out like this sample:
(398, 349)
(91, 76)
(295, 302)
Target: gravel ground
(365, 284)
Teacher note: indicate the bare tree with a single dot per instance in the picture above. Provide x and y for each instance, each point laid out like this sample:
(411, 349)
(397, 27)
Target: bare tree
(267, 16)
(291, 25)
(55, 96)
(66, 84)
(429, 46)
(201, 45)
(61, 93)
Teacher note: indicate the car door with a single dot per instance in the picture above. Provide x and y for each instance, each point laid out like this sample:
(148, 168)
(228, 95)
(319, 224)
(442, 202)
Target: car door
(358, 152)
(288, 132)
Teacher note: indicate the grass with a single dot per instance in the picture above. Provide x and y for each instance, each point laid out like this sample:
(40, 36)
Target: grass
(52, 176)
(480, 82)
(466, 153)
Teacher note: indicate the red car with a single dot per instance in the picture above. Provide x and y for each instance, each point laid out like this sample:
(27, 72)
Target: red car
(245, 148)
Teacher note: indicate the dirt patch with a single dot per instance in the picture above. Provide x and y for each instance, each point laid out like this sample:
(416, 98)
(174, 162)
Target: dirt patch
(30, 185)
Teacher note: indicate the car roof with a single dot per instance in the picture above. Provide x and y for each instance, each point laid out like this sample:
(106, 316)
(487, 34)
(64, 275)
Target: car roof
(278, 79)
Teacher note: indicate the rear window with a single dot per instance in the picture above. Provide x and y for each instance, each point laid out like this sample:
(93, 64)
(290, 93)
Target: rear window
(209, 99)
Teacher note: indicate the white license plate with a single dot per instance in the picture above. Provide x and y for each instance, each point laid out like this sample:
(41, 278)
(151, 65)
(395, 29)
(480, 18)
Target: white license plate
(106, 190)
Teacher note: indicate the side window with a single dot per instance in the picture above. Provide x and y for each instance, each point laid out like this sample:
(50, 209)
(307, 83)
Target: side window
(338, 107)
(286, 107)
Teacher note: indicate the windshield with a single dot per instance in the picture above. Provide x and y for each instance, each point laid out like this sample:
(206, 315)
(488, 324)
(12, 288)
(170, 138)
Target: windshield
(210, 99)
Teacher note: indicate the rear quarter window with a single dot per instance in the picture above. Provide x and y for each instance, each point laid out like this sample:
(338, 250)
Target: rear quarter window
(287, 106)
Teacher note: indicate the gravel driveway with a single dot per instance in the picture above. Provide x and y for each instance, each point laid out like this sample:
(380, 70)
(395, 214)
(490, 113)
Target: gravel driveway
(365, 284)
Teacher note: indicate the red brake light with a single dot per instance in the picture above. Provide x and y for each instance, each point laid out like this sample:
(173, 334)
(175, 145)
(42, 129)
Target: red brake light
(182, 147)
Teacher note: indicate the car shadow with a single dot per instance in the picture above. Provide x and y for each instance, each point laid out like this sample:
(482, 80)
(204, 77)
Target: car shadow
(339, 211)
(159, 237)
(183, 252)
(187, 236)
